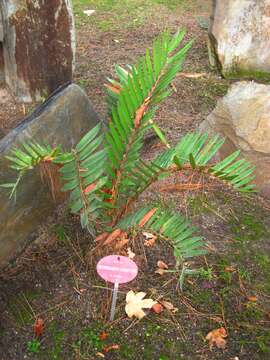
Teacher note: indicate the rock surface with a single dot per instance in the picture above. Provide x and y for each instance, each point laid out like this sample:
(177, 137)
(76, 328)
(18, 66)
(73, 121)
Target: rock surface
(239, 35)
(63, 119)
(38, 46)
(243, 118)
(2, 74)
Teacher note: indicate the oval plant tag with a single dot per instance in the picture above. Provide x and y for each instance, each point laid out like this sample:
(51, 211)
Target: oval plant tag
(117, 269)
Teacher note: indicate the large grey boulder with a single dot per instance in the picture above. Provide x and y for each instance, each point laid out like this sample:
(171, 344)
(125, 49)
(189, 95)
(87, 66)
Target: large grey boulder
(239, 38)
(63, 119)
(243, 118)
(37, 46)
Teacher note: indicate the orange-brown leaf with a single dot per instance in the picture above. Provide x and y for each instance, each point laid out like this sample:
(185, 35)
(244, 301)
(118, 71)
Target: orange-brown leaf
(103, 336)
(162, 265)
(150, 242)
(102, 236)
(139, 114)
(160, 271)
(114, 88)
(120, 244)
(38, 327)
(99, 354)
(229, 269)
(157, 308)
(110, 347)
(192, 75)
(169, 306)
(147, 217)
(217, 337)
(114, 235)
(89, 188)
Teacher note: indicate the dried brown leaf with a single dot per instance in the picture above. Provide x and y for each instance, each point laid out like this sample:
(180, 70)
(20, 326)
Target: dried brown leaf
(103, 335)
(130, 253)
(157, 308)
(147, 217)
(121, 243)
(38, 327)
(230, 269)
(111, 347)
(217, 337)
(89, 188)
(192, 75)
(160, 271)
(102, 236)
(139, 114)
(151, 242)
(169, 306)
(114, 235)
(99, 354)
(162, 265)
(114, 88)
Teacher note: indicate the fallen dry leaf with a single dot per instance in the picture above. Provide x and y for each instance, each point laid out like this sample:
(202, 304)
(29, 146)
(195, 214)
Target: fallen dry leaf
(99, 354)
(89, 12)
(123, 240)
(136, 303)
(130, 253)
(162, 265)
(229, 269)
(191, 75)
(150, 239)
(169, 306)
(160, 271)
(157, 308)
(39, 327)
(102, 236)
(217, 337)
(114, 235)
(111, 347)
(252, 298)
(148, 235)
(103, 335)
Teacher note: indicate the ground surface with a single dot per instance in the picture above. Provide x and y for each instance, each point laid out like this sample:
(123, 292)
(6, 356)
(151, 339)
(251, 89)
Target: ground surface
(52, 279)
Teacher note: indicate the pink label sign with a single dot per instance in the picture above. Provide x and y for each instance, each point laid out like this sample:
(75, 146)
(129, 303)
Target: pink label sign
(117, 269)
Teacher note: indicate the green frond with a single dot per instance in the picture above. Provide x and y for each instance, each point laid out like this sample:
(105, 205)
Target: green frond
(236, 171)
(198, 150)
(27, 159)
(83, 175)
(171, 227)
(141, 88)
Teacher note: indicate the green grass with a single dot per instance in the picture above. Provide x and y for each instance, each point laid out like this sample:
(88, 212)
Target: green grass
(20, 307)
(116, 14)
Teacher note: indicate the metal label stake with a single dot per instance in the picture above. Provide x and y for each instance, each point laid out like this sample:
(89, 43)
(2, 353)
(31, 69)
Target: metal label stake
(116, 269)
(114, 299)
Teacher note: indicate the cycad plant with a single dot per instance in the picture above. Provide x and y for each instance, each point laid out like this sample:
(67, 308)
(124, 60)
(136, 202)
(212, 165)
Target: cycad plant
(105, 174)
